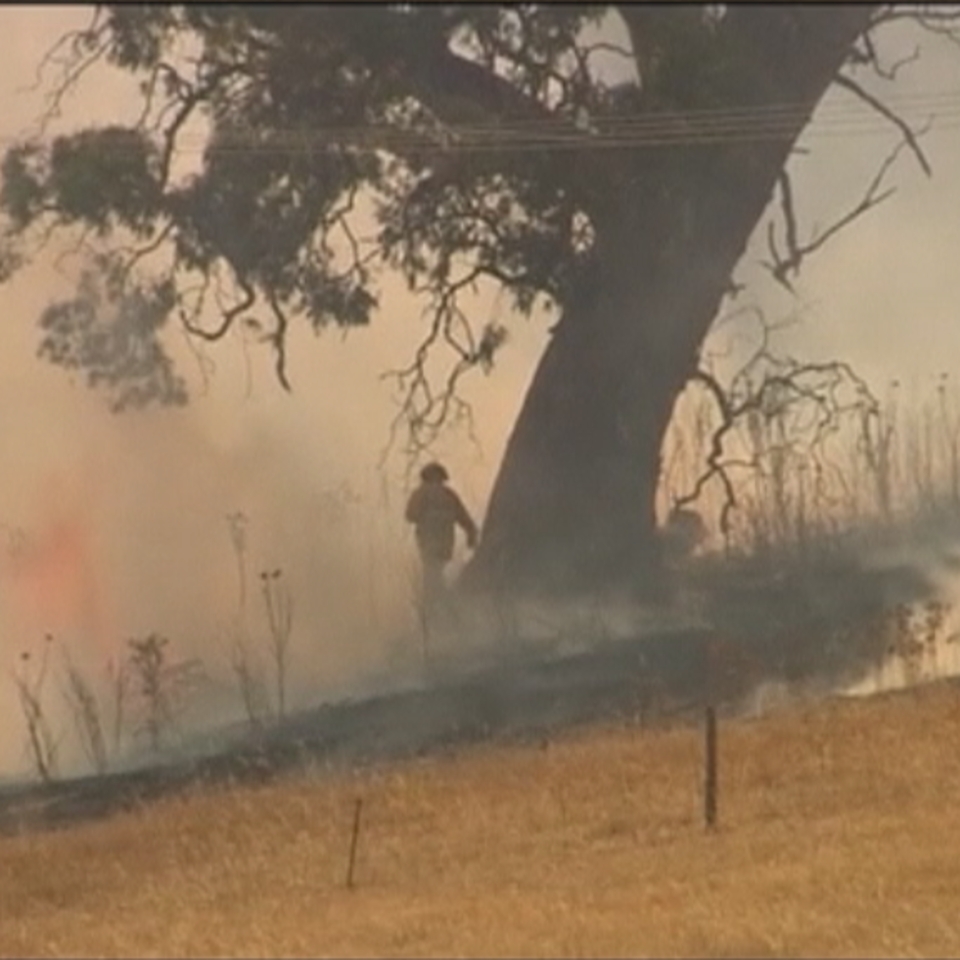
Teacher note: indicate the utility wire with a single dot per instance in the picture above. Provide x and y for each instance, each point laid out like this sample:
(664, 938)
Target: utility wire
(836, 117)
(317, 141)
(832, 110)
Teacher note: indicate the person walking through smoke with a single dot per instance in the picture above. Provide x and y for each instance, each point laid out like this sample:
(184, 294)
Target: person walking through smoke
(435, 511)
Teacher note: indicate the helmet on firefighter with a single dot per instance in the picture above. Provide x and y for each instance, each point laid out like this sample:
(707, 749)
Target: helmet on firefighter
(434, 472)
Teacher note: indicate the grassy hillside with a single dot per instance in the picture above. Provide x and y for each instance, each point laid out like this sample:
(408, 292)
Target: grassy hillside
(840, 835)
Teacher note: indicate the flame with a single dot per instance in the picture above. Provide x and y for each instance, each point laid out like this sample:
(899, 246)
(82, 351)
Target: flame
(53, 573)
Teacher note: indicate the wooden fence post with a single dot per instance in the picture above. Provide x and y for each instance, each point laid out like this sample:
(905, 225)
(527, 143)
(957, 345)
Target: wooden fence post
(710, 783)
(353, 841)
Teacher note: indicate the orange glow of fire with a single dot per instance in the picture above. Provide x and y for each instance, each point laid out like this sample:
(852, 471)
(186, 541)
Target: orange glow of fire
(53, 576)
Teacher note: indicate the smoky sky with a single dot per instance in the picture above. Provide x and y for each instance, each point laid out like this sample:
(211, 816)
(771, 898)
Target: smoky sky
(127, 513)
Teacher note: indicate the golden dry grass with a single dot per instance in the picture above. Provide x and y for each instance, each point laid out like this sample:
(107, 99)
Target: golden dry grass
(840, 836)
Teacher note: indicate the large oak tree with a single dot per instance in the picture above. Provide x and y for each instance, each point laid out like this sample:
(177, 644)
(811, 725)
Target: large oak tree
(486, 147)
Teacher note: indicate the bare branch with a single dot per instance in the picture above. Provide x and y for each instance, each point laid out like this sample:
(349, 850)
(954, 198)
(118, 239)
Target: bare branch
(908, 135)
(791, 219)
(939, 19)
(279, 339)
(425, 412)
(75, 249)
(187, 99)
(205, 364)
(866, 54)
(715, 467)
(74, 39)
(870, 199)
(88, 48)
(136, 254)
(772, 387)
(781, 265)
(163, 69)
(229, 315)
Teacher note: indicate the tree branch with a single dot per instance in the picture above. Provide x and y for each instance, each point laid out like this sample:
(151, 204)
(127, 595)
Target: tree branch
(771, 387)
(780, 265)
(869, 56)
(229, 315)
(939, 19)
(279, 340)
(87, 48)
(908, 135)
(135, 254)
(421, 411)
(715, 466)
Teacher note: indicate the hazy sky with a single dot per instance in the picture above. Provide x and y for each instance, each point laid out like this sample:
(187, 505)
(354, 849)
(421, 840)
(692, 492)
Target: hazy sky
(127, 513)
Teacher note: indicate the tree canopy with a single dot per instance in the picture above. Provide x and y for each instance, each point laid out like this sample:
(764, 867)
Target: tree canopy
(481, 139)
(310, 108)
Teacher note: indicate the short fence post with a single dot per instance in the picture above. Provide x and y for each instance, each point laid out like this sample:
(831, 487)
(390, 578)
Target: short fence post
(710, 769)
(353, 841)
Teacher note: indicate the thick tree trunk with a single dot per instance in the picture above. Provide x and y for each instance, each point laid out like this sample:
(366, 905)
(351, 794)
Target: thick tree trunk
(573, 506)
(572, 509)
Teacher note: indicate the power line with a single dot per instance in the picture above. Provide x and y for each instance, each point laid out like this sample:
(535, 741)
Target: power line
(704, 127)
(659, 120)
(387, 139)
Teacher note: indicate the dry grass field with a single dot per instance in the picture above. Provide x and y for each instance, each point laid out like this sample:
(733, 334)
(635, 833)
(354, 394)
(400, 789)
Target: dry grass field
(839, 836)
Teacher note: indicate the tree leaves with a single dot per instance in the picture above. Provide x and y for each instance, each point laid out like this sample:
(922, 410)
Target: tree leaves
(110, 331)
(103, 178)
(23, 193)
(140, 33)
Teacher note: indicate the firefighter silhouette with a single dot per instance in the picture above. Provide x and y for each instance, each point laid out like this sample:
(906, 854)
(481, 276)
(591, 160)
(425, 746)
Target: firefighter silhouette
(435, 510)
